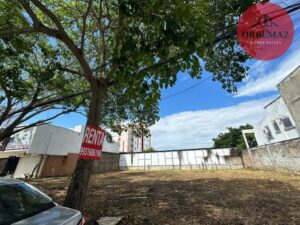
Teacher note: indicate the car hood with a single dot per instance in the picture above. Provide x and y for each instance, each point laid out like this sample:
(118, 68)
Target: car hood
(57, 215)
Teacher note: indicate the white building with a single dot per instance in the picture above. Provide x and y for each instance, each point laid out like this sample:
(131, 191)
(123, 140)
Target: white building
(46, 150)
(289, 89)
(130, 142)
(42, 151)
(278, 124)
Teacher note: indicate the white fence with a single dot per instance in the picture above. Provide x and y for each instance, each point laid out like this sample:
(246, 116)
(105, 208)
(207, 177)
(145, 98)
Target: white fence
(181, 159)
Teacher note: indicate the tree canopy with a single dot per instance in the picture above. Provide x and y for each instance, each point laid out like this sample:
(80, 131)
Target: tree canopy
(233, 138)
(141, 43)
(127, 51)
(31, 83)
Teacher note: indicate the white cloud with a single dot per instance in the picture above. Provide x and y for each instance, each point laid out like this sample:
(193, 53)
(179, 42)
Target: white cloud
(266, 75)
(197, 128)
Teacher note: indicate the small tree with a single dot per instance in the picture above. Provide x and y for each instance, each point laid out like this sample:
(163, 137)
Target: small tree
(150, 149)
(234, 139)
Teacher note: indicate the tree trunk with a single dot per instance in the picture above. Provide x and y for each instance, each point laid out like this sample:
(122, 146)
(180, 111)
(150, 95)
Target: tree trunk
(77, 191)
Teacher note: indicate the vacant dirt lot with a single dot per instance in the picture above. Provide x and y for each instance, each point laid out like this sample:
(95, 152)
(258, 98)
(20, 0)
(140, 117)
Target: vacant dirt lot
(189, 197)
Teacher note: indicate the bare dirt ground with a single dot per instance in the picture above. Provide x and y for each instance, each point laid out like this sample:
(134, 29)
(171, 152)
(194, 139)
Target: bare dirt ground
(189, 197)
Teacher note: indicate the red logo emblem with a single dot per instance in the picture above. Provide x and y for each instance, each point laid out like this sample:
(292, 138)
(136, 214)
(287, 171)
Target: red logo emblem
(265, 31)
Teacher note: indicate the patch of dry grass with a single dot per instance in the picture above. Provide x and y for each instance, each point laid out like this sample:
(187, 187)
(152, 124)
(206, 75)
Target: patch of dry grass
(189, 197)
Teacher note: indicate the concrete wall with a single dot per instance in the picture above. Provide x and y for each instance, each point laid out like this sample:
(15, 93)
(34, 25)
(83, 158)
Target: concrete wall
(290, 91)
(107, 162)
(181, 159)
(282, 156)
(27, 165)
(17, 153)
(275, 112)
(65, 165)
(56, 165)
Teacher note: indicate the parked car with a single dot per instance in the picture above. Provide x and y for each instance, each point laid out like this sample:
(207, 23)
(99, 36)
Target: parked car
(23, 204)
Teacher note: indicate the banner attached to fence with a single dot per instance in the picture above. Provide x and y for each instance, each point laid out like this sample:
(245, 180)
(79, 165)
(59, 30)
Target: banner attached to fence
(92, 143)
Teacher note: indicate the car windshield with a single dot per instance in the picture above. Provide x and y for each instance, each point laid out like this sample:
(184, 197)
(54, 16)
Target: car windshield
(19, 201)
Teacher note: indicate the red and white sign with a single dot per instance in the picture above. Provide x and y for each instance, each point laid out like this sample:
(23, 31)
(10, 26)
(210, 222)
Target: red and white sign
(92, 143)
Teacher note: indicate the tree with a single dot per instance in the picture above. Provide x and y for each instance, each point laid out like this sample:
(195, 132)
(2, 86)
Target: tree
(34, 81)
(133, 48)
(150, 149)
(234, 139)
(31, 84)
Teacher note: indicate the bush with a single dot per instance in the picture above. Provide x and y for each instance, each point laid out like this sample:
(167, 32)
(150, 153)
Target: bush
(150, 149)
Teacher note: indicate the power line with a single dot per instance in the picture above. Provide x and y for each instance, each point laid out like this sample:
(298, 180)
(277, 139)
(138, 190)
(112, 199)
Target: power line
(295, 13)
(290, 8)
(187, 89)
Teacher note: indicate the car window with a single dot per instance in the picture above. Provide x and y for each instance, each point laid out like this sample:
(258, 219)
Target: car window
(19, 201)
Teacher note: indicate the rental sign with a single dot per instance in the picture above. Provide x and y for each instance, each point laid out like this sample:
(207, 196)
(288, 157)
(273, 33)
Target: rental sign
(92, 143)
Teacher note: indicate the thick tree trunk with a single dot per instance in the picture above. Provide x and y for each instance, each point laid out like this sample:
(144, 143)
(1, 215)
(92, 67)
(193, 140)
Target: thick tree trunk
(77, 191)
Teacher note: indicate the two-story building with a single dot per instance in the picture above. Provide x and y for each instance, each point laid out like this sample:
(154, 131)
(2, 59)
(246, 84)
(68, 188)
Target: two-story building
(289, 89)
(277, 125)
(282, 119)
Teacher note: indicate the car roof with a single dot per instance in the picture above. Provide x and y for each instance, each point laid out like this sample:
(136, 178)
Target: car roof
(7, 181)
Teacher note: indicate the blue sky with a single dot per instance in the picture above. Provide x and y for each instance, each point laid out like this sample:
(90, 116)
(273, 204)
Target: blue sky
(193, 118)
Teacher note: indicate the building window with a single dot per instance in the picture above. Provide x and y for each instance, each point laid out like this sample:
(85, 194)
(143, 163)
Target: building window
(287, 123)
(268, 133)
(276, 127)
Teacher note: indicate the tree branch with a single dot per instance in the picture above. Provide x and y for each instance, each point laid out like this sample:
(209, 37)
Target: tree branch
(59, 34)
(9, 103)
(7, 133)
(49, 14)
(84, 25)
(38, 26)
(71, 71)
(20, 117)
(53, 101)
(4, 114)
(35, 113)
(24, 30)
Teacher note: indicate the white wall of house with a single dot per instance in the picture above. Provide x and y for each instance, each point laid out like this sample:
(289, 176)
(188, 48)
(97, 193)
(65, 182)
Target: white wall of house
(54, 140)
(26, 165)
(278, 124)
(110, 147)
(290, 92)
